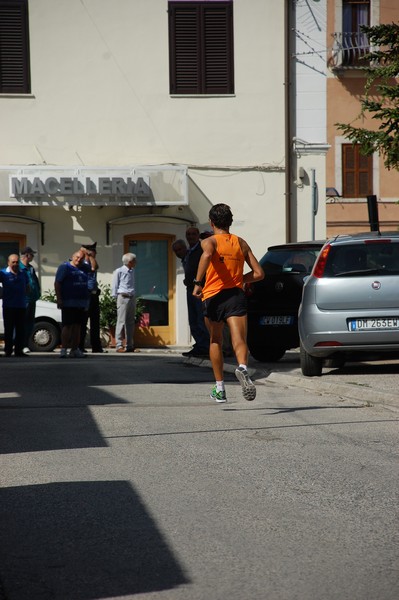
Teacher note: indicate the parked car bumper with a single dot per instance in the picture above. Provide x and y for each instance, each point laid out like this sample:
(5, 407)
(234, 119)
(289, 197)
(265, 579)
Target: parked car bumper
(319, 341)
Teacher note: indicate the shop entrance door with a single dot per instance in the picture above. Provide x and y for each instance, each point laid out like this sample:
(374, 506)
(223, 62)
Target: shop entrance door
(155, 287)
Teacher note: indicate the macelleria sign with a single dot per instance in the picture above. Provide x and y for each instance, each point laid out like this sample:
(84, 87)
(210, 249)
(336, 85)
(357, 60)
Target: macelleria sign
(163, 185)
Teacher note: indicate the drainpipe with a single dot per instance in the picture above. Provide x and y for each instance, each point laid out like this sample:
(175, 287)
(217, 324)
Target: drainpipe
(288, 123)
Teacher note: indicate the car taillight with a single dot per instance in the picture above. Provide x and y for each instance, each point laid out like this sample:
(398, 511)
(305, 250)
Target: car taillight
(318, 270)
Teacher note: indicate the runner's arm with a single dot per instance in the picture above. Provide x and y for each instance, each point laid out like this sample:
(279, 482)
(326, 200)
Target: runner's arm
(208, 248)
(256, 273)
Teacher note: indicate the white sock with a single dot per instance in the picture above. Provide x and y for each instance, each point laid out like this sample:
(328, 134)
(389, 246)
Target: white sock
(220, 386)
(243, 366)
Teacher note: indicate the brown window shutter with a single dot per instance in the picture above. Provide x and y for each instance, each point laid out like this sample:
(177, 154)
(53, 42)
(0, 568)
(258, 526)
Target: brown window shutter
(218, 49)
(201, 47)
(348, 171)
(357, 172)
(184, 41)
(14, 47)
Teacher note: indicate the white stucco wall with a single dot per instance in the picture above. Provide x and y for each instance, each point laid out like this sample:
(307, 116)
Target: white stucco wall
(310, 80)
(100, 90)
(311, 70)
(100, 96)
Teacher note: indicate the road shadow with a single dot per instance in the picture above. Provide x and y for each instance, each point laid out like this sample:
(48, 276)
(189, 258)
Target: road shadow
(81, 541)
(45, 402)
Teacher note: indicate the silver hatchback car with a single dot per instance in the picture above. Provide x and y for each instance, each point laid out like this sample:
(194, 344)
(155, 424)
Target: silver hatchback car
(350, 302)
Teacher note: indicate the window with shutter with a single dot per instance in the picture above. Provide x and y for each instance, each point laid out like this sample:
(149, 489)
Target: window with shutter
(14, 47)
(357, 172)
(201, 47)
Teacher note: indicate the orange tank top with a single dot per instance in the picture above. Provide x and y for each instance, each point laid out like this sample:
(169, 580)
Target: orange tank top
(226, 268)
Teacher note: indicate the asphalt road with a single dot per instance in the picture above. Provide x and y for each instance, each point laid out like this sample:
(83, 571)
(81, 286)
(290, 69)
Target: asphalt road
(120, 478)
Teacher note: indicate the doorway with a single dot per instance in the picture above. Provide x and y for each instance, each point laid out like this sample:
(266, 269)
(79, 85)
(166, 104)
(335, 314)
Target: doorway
(155, 287)
(10, 243)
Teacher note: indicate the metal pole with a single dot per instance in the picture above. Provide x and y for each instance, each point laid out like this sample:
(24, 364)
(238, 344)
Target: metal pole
(288, 117)
(314, 201)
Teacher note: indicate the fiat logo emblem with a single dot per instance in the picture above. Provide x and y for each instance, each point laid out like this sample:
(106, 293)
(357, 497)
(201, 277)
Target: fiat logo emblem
(279, 286)
(376, 285)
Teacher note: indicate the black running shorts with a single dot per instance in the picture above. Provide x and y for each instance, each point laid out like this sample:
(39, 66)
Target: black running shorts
(227, 303)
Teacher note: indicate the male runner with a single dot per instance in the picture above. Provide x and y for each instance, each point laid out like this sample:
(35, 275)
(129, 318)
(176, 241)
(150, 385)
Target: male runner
(223, 258)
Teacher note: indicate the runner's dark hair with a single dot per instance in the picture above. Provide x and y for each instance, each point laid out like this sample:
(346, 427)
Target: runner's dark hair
(221, 216)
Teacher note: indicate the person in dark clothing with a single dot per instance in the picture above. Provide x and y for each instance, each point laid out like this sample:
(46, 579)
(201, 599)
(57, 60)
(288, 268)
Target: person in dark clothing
(190, 261)
(15, 288)
(71, 288)
(33, 295)
(93, 312)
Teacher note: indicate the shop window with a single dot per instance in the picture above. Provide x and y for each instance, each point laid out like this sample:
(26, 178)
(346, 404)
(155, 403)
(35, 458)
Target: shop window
(201, 47)
(14, 47)
(357, 172)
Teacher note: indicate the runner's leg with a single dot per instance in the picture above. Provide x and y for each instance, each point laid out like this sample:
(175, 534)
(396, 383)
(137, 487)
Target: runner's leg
(215, 347)
(238, 333)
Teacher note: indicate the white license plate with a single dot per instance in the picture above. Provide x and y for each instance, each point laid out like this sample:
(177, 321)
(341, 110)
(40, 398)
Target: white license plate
(370, 324)
(276, 320)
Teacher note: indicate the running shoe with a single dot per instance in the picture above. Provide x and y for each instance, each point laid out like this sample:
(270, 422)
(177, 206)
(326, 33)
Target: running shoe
(248, 387)
(218, 396)
(63, 353)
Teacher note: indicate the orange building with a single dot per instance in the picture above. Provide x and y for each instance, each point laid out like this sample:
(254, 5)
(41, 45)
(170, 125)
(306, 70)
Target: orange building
(349, 173)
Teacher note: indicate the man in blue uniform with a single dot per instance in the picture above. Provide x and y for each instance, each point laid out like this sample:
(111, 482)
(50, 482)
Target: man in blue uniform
(15, 287)
(71, 288)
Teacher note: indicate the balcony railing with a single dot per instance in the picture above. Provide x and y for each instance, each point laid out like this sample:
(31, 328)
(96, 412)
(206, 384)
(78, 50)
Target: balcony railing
(349, 50)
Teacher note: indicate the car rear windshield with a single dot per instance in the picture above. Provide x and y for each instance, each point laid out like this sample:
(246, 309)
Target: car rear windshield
(380, 258)
(292, 260)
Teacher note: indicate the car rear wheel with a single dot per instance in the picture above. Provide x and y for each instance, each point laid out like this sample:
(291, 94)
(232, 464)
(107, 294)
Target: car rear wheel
(267, 354)
(311, 366)
(44, 338)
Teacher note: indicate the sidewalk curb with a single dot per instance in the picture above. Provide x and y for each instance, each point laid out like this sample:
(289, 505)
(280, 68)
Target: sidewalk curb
(363, 394)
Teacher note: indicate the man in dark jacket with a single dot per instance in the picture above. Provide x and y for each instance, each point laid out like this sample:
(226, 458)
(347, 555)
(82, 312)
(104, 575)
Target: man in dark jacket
(93, 313)
(194, 306)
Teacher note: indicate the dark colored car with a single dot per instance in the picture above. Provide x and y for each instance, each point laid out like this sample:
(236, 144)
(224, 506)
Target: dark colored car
(273, 302)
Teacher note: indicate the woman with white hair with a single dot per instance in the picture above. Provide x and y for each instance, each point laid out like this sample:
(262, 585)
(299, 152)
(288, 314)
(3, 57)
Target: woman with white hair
(123, 289)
